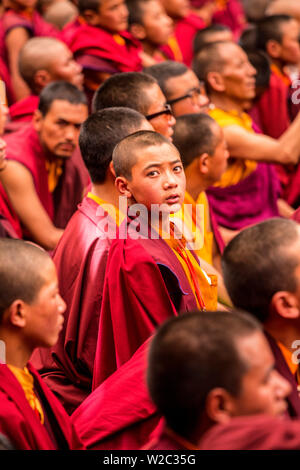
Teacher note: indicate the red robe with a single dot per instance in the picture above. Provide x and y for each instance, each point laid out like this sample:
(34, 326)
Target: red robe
(231, 14)
(185, 31)
(169, 440)
(9, 216)
(24, 146)
(258, 432)
(145, 285)
(80, 259)
(20, 423)
(119, 414)
(24, 109)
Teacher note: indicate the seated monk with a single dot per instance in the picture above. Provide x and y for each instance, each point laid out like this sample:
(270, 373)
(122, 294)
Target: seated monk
(138, 91)
(152, 274)
(81, 256)
(19, 22)
(180, 44)
(100, 42)
(31, 315)
(37, 69)
(261, 269)
(120, 414)
(248, 191)
(149, 23)
(43, 181)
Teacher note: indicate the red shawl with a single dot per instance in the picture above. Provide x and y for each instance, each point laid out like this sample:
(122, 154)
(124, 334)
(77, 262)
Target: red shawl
(24, 109)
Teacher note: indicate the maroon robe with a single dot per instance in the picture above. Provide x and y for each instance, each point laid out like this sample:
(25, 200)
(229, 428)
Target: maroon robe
(168, 440)
(119, 414)
(145, 285)
(24, 147)
(21, 424)
(9, 216)
(233, 16)
(80, 258)
(258, 432)
(24, 109)
(185, 31)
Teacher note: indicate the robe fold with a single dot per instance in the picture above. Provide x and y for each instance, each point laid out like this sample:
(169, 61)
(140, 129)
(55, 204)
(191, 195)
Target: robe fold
(145, 285)
(9, 216)
(185, 31)
(20, 423)
(24, 147)
(119, 414)
(231, 13)
(260, 432)
(80, 258)
(23, 110)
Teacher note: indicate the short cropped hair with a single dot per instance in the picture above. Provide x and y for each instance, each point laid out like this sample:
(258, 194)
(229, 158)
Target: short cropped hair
(194, 135)
(210, 59)
(84, 5)
(270, 28)
(258, 262)
(101, 132)
(202, 36)
(21, 271)
(136, 11)
(125, 153)
(165, 70)
(124, 89)
(60, 90)
(191, 355)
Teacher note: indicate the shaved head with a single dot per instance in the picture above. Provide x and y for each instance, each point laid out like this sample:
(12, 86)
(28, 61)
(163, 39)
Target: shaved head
(22, 265)
(211, 58)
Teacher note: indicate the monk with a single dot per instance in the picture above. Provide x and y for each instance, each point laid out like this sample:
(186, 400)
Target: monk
(261, 268)
(19, 22)
(184, 93)
(201, 144)
(158, 275)
(100, 42)
(250, 183)
(38, 69)
(138, 91)
(212, 33)
(180, 44)
(42, 180)
(120, 414)
(149, 23)
(81, 256)
(31, 315)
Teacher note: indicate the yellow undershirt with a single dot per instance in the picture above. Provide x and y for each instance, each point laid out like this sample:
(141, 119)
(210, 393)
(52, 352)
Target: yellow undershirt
(111, 209)
(288, 358)
(238, 168)
(54, 170)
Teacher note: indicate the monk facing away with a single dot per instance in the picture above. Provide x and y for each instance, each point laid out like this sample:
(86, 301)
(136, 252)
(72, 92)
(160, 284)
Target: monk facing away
(151, 272)
(81, 257)
(31, 315)
(43, 182)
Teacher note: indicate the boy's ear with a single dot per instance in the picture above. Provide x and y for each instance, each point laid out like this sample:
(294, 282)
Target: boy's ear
(111, 169)
(91, 16)
(273, 49)
(121, 184)
(219, 406)
(286, 305)
(138, 31)
(203, 163)
(41, 78)
(16, 313)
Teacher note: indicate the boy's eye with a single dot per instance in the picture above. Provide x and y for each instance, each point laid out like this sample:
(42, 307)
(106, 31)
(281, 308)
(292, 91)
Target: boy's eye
(152, 173)
(177, 168)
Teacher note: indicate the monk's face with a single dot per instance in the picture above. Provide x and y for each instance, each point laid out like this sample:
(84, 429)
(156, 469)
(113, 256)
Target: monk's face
(112, 15)
(237, 74)
(289, 49)
(59, 129)
(189, 95)
(158, 178)
(156, 26)
(44, 316)
(64, 67)
(163, 123)
(263, 389)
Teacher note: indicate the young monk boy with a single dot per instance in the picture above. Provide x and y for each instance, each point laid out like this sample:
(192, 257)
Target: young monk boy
(31, 315)
(149, 23)
(151, 275)
(100, 42)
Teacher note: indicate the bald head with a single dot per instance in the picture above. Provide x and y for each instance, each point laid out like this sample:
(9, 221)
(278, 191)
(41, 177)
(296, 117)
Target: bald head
(125, 154)
(22, 266)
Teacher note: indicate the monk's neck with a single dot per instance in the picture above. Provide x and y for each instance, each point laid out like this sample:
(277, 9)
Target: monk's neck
(226, 103)
(284, 331)
(16, 352)
(279, 64)
(106, 191)
(194, 184)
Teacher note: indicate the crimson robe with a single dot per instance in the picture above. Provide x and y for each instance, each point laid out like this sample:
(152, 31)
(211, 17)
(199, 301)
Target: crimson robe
(258, 432)
(21, 424)
(119, 414)
(24, 109)
(167, 440)
(145, 285)
(24, 147)
(185, 31)
(80, 258)
(231, 15)
(9, 216)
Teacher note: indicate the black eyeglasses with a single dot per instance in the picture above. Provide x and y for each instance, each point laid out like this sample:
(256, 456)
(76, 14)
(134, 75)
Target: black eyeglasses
(193, 93)
(167, 110)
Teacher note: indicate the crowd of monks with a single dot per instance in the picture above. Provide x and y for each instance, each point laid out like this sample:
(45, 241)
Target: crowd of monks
(149, 237)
